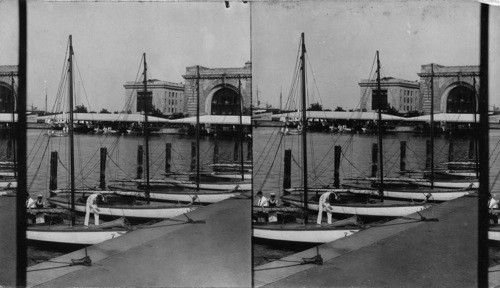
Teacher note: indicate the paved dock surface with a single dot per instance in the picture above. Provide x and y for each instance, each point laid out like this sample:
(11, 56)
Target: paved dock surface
(494, 276)
(169, 254)
(401, 253)
(8, 241)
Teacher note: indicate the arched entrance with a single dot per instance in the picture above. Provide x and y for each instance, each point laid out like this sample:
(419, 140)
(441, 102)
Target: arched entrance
(6, 99)
(225, 101)
(461, 99)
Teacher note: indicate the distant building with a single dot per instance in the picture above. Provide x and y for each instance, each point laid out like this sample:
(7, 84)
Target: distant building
(453, 86)
(219, 90)
(8, 87)
(403, 95)
(168, 97)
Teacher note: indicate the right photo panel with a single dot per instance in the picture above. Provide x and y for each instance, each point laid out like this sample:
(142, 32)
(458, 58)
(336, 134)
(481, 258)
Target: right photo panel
(367, 144)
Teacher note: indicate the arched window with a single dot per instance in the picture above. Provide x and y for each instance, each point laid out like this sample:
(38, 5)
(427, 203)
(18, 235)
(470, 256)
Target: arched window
(461, 100)
(225, 102)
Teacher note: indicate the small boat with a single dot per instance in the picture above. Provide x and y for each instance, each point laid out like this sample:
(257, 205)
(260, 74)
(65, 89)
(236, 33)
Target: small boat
(220, 186)
(78, 234)
(295, 232)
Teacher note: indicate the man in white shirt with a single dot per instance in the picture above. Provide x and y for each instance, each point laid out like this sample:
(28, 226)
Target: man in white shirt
(324, 204)
(262, 200)
(493, 204)
(92, 207)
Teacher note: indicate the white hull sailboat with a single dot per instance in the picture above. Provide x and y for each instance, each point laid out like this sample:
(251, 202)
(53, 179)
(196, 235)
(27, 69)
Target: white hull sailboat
(306, 232)
(63, 233)
(71, 233)
(302, 233)
(439, 195)
(184, 196)
(220, 186)
(147, 211)
(387, 208)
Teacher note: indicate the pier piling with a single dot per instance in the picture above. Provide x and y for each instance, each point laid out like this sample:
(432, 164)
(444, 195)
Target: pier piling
(471, 150)
(216, 152)
(168, 156)
(193, 156)
(236, 151)
(102, 174)
(287, 180)
(451, 152)
(140, 154)
(336, 173)
(374, 159)
(249, 150)
(428, 156)
(53, 171)
(402, 158)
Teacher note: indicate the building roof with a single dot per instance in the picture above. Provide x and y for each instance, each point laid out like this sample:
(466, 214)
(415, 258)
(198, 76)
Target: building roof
(216, 119)
(6, 70)
(341, 115)
(105, 117)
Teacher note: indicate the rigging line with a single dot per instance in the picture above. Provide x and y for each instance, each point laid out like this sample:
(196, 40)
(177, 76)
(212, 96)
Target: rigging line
(270, 169)
(352, 164)
(32, 159)
(495, 181)
(38, 168)
(119, 167)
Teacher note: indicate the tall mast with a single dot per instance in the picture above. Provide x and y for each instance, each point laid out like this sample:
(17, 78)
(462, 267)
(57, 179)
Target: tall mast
(380, 150)
(240, 110)
(198, 128)
(71, 136)
(432, 126)
(281, 97)
(304, 126)
(146, 125)
(474, 134)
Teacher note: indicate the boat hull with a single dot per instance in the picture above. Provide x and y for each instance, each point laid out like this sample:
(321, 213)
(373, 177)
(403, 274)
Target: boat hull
(151, 211)
(213, 186)
(379, 209)
(186, 197)
(70, 235)
(311, 234)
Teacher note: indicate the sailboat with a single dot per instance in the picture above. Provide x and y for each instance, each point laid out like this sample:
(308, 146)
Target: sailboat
(71, 233)
(306, 232)
(197, 192)
(364, 206)
(121, 206)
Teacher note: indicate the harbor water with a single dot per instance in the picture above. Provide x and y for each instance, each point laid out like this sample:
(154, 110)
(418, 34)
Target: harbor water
(121, 164)
(356, 161)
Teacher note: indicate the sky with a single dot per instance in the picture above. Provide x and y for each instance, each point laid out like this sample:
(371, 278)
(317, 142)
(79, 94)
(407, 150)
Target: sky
(343, 36)
(110, 37)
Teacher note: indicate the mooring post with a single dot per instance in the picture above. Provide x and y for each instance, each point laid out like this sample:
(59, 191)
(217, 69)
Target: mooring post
(236, 151)
(140, 154)
(168, 156)
(374, 159)
(102, 174)
(53, 171)
(216, 152)
(336, 172)
(193, 156)
(9, 149)
(287, 178)
(451, 152)
(428, 156)
(471, 150)
(402, 158)
(249, 150)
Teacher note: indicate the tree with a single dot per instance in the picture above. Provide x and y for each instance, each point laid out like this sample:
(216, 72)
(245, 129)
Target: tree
(340, 109)
(315, 107)
(81, 109)
(105, 111)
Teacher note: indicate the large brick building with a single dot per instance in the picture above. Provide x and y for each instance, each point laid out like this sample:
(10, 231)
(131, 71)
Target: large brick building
(219, 90)
(453, 86)
(8, 88)
(403, 95)
(168, 97)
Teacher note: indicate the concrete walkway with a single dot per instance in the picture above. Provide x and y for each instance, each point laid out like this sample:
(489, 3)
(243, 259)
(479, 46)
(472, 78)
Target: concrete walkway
(169, 254)
(401, 253)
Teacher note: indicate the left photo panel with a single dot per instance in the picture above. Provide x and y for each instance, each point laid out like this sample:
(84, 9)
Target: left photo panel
(138, 144)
